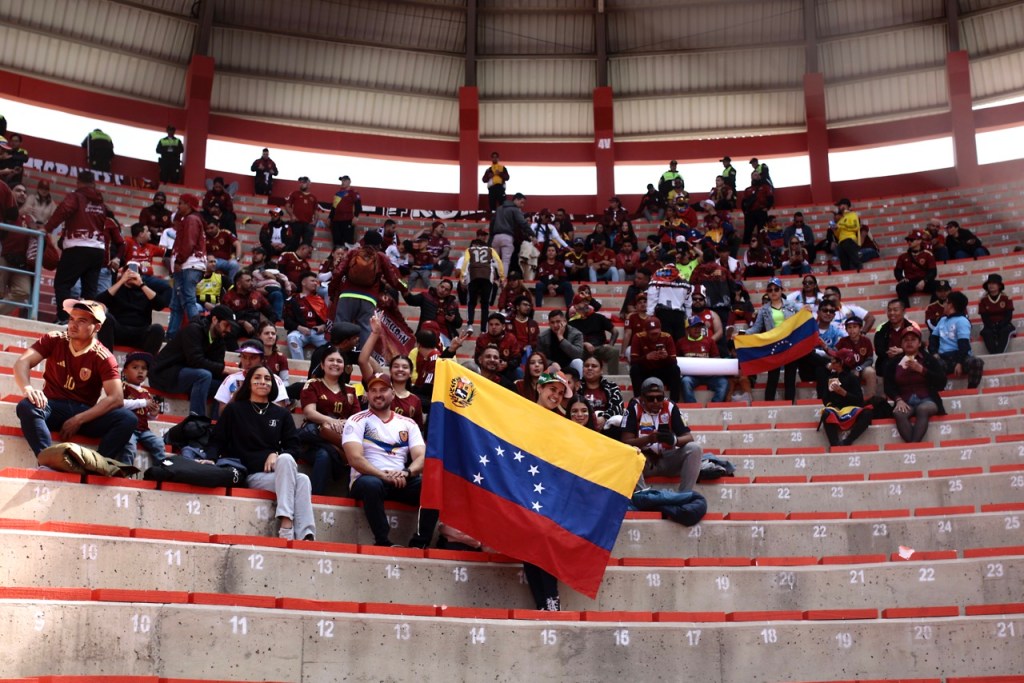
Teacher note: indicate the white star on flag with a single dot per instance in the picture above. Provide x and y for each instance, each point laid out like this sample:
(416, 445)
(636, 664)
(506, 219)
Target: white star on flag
(484, 460)
(538, 488)
(518, 456)
(537, 506)
(500, 451)
(478, 478)
(533, 470)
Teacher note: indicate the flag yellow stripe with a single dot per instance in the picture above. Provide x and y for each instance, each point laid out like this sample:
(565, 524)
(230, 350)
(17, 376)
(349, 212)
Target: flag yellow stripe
(553, 438)
(750, 341)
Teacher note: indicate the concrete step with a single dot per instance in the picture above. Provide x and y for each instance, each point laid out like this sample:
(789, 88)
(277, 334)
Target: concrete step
(242, 568)
(314, 645)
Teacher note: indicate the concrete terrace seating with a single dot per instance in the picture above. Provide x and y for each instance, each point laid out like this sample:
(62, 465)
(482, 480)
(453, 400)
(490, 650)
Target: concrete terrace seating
(797, 573)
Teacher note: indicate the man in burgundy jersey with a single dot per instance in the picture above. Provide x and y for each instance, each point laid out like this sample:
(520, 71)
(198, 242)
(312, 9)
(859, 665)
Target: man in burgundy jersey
(302, 206)
(77, 368)
(224, 247)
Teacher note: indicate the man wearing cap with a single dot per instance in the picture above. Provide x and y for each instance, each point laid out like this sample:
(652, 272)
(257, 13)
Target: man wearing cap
(265, 170)
(217, 202)
(858, 344)
(495, 177)
(653, 354)
(188, 263)
(78, 367)
(655, 426)
(305, 317)
(386, 453)
(169, 150)
(698, 343)
(915, 269)
(508, 229)
(250, 355)
(346, 207)
(761, 170)
(40, 205)
(728, 172)
(303, 207)
(937, 308)
(277, 236)
(194, 359)
(84, 216)
(138, 400)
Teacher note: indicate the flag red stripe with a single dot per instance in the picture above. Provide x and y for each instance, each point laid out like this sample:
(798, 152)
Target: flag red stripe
(777, 360)
(522, 534)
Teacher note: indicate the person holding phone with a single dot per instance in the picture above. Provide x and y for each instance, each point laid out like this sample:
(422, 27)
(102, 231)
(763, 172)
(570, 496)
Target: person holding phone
(655, 426)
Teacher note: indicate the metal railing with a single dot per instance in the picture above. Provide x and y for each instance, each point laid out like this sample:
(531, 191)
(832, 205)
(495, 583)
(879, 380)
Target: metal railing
(36, 274)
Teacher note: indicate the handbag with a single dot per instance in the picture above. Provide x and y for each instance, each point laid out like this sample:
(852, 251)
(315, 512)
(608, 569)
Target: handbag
(71, 457)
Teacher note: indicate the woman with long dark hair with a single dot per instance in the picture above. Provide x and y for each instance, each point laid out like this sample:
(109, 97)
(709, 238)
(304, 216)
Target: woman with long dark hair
(262, 435)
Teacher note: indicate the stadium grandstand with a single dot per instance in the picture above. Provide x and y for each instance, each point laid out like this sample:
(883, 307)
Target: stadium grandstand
(862, 523)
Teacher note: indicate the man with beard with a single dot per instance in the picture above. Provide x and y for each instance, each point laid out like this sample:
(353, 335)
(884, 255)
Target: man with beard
(386, 453)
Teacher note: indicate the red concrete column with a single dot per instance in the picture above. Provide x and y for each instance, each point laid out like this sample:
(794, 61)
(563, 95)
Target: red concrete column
(469, 148)
(604, 146)
(198, 90)
(965, 148)
(817, 138)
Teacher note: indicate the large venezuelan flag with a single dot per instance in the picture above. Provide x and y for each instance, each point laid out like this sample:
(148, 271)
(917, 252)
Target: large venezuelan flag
(794, 338)
(525, 481)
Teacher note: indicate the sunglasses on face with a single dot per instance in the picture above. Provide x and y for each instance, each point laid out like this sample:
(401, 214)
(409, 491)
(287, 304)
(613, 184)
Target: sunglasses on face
(774, 289)
(652, 399)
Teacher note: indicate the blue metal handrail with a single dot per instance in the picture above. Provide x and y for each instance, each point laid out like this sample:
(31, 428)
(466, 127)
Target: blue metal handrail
(33, 302)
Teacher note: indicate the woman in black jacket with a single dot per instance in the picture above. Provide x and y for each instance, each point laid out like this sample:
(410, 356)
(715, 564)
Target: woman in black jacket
(913, 380)
(262, 436)
(845, 416)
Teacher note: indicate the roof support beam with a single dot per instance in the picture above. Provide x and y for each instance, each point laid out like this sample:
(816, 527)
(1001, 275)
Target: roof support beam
(201, 44)
(811, 37)
(953, 25)
(471, 28)
(601, 42)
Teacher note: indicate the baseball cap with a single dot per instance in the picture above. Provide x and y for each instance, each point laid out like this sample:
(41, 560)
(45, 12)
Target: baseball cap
(911, 330)
(550, 377)
(853, 320)
(303, 178)
(652, 383)
(93, 308)
(943, 284)
(378, 378)
(274, 210)
(694, 320)
(915, 235)
(222, 312)
(725, 159)
(44, 184)
(251, 347)
(146, 358)
(191, 199)
(777, 282)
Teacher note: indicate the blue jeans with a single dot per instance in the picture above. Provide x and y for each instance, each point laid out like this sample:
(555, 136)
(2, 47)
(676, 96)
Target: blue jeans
(229, 267)
(297, 343)
(787, 268)
(114, 429)
(276, 298)
(150, 441)
(869, 254)
(973, 253)
(157, 284)
(196, 382)
(183, 299)
(717, 386)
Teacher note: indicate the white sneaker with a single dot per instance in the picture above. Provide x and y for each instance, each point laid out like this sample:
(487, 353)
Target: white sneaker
(287, 534)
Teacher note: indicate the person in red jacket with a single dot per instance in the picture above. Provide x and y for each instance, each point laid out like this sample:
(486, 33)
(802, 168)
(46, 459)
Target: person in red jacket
(347, 206)
(698, 343)
(508, 346)
(757, 199)
(84, 216)
(156, 217)
(218, 197)
(915, 269)
(188, 259)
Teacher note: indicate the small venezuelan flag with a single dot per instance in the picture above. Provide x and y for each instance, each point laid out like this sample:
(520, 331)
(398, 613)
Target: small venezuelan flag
(794, 338)
(526, 481)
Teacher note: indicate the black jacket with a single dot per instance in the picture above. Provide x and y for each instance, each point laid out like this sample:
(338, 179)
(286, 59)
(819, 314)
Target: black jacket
(131, 308)
(192, 347)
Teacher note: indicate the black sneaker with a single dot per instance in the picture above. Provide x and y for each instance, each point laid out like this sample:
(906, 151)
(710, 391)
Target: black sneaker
(974, 369)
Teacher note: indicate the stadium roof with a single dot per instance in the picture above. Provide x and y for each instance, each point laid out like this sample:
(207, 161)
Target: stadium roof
(678, 69)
